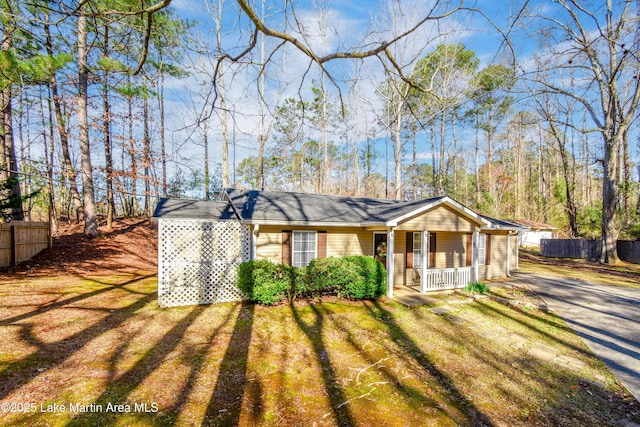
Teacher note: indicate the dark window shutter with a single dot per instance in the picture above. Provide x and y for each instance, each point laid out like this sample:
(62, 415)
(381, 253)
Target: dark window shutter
(286, 247)
(409, 249)
(487, 250)
(322, 244)
(469, 249)
(432, 250)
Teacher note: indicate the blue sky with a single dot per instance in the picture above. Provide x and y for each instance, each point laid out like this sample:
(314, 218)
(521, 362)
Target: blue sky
(350, 23)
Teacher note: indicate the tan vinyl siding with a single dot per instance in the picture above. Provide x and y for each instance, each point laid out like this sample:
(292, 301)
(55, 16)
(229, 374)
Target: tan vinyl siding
(450, 250)
(498, 266)
(438, 219)
(349, 241)
(400, 247)
(340, 241)
(269, 244)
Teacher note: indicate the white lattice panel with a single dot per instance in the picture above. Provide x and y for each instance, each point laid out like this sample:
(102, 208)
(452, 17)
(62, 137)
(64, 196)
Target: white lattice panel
(197, 261)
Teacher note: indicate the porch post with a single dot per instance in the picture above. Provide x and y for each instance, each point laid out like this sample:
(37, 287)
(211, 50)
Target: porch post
(474, 257)
(390, 256)
(424, 254)
(254, 241)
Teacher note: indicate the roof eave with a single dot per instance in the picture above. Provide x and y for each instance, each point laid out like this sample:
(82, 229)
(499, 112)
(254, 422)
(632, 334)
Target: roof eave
(310, 223)
(447, 201)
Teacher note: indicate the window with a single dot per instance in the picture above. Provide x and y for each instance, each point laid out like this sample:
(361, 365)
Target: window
(482, 249)
(304, 247)
(417, 250)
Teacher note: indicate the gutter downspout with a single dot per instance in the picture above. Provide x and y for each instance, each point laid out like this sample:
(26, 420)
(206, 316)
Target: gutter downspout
(518, 233)
(508, 254)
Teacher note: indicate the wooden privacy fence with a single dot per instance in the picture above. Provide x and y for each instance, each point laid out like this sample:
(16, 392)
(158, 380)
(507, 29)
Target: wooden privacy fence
(628, 250)
(21, 240)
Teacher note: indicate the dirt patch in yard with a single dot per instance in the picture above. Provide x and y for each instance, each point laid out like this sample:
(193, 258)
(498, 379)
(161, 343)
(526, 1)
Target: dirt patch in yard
(130, 246)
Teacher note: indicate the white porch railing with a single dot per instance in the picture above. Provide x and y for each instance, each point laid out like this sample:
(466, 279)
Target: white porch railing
(438, 279)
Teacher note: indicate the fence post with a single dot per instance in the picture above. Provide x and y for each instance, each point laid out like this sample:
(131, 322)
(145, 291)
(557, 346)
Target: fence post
(14, 246)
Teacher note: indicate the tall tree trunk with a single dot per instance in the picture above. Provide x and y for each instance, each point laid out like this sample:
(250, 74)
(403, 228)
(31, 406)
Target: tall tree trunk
(610, 199)
(626, 177)
(207, 178)
(440, 190)
(69, 171)
(163, 153)
(476, 161)
(572, 211)
(225, 131)
(638, 201)
(133, 153)
(397, 158)
(49, 158)
(8, 161)
(90, 220)
(106, 123)
(146, 153)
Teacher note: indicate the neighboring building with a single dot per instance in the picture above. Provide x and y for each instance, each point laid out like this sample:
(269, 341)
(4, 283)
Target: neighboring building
(534, 232)
(436, 243)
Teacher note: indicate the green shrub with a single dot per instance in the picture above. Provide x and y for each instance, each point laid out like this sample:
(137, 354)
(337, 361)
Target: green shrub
(372, 281)
(477, 287)
(299, 284)
(330, 276)
(354, 277)
(264, 281)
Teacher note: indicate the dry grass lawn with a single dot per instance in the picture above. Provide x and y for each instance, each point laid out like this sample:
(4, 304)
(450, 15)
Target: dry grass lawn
(621, 274)
(96, 341)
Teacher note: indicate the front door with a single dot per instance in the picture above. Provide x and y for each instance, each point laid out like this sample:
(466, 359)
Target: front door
(380, 247)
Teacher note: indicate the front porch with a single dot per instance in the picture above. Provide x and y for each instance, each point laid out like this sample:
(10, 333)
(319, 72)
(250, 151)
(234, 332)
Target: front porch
(440, 279)
(429, 261)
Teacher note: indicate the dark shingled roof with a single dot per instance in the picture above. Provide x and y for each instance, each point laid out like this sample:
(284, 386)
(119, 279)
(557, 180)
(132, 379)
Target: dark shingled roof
(194, 209)
(274, 206)
(504, 224)
(534, 225)
(302, 208)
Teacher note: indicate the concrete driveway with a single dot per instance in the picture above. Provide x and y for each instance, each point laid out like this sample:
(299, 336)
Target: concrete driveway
(607, 317)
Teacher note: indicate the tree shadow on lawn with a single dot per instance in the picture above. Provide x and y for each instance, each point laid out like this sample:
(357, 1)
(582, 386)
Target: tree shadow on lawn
(503, 314)
(472, 414)
(313, 331)
(226, 401)
(118, 390)
(50, 355)
(57, 303)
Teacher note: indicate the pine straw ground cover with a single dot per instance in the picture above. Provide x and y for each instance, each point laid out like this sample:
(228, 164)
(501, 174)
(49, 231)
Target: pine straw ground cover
(96, 341)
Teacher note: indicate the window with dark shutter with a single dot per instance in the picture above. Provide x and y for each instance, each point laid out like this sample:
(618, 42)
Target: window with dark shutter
(286, 247)
(432, 250)
(322, 244)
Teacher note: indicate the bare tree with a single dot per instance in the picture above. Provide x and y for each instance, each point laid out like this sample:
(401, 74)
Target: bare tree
(90, 220)
(600, 47)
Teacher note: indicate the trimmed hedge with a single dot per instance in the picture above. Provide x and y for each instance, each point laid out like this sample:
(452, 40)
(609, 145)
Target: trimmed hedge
(330, 276)
(373, 278)
(264, 281)
(354, 277)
